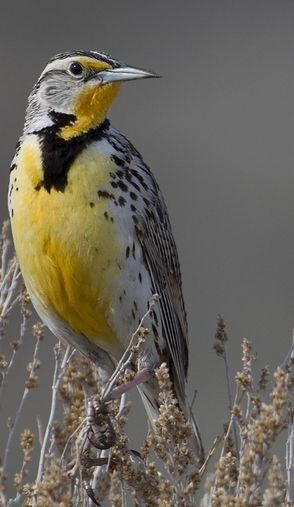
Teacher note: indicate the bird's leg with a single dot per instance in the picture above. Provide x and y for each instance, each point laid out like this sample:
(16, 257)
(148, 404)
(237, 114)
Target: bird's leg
(140, 377)
(100, 431)
(87, 461)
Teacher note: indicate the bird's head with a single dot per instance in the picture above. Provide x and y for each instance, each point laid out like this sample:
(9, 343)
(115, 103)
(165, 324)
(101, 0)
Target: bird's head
(75, 91)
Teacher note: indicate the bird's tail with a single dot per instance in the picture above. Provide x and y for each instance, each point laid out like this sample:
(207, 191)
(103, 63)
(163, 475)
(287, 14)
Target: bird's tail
(149, 392)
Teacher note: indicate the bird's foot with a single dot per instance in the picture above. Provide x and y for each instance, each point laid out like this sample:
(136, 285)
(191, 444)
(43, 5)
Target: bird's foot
(100, 431)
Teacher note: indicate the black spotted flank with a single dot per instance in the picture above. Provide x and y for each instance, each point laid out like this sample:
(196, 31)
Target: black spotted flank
(122, 186)
(133, 183)
(91, 204)
(133, 196)
(140, 277)
(18, 145)
(135, 219)
(121, 200)
(127, 252)
(118, 161)
(128, 176)
(140, 178)
(12, 167)
(105, 195)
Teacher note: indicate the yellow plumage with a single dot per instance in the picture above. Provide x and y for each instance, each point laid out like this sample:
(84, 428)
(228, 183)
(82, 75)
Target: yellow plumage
(62, 239)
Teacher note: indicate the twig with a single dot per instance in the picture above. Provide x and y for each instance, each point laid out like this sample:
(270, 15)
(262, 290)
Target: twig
(290, 464)
(23, 327)
(232, 418)
(230, 397)
(210, 453)
(20, 407)
(8, 289)
(290, 354)
(58, 373)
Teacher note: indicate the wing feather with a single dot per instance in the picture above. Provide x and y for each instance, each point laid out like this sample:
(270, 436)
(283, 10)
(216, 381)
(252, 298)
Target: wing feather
(161, 257)
(159, 249)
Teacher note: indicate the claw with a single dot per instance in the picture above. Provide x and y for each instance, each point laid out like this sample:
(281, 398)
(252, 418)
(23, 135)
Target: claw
(100, 429)
(101, 440)
(91, 494)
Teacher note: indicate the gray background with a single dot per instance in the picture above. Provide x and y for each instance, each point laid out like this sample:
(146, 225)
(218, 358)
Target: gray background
(217, 131)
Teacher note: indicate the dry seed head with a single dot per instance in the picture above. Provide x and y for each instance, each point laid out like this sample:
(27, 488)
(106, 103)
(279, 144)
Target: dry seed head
(34, 365)
(243, 379)
(264, 378)
(27, 440)
(221, 336)
(275, 494)
(143, 332)
(38, 330)
(3, 361)
(53, 490)
(32, 382)
(15, 344)
(248, 357)
(162, 375)
(226, 472)
(24, 303)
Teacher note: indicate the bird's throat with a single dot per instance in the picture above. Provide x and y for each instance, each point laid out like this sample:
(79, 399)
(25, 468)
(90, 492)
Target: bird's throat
(90, 109)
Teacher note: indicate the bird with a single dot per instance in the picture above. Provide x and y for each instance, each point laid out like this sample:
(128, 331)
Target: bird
(91, 228)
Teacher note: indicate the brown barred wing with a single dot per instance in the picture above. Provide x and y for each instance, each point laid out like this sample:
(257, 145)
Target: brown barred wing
(159, 249)
(161, 257)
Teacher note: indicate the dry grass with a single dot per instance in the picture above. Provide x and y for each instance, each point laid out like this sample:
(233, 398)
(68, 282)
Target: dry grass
(72, 468)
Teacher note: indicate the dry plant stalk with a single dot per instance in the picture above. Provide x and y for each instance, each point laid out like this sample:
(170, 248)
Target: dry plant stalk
(73, 469)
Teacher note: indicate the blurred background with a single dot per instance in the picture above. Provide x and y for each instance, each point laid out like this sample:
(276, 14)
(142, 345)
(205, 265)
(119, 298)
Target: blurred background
(217, 131)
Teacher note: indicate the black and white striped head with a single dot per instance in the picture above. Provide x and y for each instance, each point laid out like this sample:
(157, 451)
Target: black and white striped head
(76, 89)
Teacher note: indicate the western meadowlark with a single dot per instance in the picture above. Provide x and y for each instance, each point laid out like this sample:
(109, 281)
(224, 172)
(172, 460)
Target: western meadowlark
(90, 225)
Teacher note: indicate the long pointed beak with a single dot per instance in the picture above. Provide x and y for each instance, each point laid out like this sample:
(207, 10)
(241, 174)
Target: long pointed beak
(124, 74)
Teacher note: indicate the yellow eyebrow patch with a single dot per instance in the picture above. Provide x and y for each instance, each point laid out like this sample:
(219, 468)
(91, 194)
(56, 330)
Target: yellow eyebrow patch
(92, 63)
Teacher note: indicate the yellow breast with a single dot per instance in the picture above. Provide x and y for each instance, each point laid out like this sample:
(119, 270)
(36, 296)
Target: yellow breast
(66, 246)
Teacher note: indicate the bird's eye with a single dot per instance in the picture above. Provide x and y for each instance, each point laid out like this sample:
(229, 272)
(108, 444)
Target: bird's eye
(76, 69)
